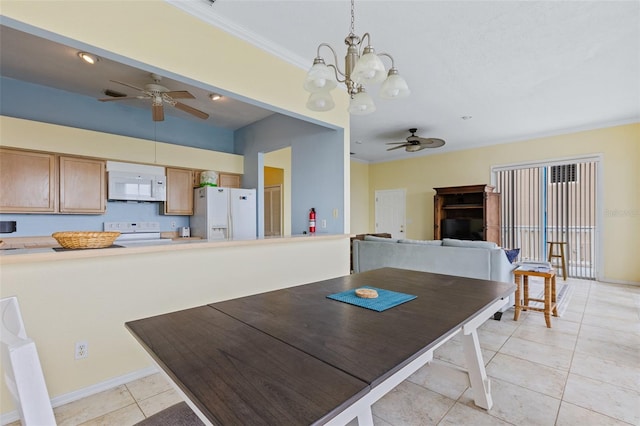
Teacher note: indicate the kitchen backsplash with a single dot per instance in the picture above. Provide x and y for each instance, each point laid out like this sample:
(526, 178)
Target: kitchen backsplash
(32, 225)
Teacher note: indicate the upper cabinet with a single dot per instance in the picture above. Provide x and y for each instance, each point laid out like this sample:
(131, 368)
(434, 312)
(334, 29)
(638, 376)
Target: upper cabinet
(180, 184)
(82, 185)
(229, 180)
(27, 182)
(33, 182)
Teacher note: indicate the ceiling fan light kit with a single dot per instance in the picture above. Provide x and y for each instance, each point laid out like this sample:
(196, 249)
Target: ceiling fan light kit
(360, 68)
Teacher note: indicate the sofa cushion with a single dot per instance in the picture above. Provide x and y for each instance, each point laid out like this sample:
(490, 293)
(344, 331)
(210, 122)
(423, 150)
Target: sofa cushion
(469, 244)
(380, 239)
(423, 242)
(512, 254)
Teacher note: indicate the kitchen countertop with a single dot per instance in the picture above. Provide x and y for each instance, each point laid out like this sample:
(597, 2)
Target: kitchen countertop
(44, 252)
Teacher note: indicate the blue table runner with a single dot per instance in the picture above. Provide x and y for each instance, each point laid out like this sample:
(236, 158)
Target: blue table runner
(386, 299)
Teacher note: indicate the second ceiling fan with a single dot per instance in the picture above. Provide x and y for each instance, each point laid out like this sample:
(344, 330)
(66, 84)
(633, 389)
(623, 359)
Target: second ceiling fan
(416, 143)
(159, 95)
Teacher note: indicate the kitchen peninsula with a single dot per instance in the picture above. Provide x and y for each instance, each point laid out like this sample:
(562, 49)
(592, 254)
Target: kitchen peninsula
(88, 295)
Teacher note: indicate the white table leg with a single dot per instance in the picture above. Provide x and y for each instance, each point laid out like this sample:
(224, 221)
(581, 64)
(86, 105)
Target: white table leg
(480, 384)
(365, 418)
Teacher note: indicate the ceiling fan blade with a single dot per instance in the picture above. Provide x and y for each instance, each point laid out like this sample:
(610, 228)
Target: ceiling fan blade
(128, 85)
(118, 99)
(399, 146)
(180, 94)
(191, 110)
(157, 112)
(432, 143)
(395, 143)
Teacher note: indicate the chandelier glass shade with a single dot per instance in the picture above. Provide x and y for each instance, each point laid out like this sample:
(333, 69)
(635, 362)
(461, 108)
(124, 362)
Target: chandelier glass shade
(320, 101)
(320, 78)
(361, 104)
(363, 66)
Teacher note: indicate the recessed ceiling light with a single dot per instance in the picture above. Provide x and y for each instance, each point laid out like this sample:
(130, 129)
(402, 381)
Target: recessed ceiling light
(88, 57)
(466, 117)
(215, 97)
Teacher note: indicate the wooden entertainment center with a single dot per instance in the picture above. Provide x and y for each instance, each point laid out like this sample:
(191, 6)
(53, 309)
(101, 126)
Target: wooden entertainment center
(469, 212)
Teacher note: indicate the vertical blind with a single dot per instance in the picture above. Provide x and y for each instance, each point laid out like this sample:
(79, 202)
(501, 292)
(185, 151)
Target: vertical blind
(551, 203)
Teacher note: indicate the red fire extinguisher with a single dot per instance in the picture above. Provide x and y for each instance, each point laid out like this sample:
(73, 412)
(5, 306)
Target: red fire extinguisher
(312, 221)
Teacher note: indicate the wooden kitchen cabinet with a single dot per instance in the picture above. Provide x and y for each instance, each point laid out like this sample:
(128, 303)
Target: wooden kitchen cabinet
(179, 192)
(469, 212)
(229, 180)
(83, 185)
(27, 182)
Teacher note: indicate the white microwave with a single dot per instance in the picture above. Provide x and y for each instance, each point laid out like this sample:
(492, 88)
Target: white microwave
(132, 186)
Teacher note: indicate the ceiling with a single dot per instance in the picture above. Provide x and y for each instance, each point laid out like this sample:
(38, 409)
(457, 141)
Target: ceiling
(37, 60)
(519, 69)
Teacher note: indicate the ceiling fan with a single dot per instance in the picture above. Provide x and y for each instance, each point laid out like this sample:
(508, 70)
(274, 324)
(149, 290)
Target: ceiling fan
(415, 143)
(160, 95)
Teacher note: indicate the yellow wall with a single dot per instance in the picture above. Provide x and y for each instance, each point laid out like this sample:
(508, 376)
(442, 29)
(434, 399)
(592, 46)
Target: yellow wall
(27, 134)
(359, 198)
(619, 146)
(188, 47)
(65, 301)
(273, 176)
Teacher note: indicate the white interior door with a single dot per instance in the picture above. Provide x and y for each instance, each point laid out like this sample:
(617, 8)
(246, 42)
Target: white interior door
(390, 211)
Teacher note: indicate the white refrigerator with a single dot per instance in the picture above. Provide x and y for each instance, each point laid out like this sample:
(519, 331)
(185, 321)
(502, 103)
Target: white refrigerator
(224, 213)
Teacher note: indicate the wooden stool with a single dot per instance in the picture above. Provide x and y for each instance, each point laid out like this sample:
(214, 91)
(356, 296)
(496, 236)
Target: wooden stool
(552, 254)
(523, 299)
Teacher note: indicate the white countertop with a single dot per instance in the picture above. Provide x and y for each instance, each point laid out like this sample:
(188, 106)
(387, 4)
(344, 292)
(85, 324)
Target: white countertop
(46, 254)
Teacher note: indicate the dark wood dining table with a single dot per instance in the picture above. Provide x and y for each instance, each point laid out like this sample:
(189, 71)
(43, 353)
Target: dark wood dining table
(294, 356)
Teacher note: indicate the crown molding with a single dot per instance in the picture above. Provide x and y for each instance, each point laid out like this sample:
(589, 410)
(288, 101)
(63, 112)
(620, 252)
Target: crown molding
(204, 10)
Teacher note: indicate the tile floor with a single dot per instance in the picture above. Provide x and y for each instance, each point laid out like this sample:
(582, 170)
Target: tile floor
(585, 370)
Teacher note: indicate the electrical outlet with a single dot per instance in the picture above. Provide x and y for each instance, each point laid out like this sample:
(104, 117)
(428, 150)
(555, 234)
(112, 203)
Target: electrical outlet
(173, 225)
(82, 350)
(323, 223)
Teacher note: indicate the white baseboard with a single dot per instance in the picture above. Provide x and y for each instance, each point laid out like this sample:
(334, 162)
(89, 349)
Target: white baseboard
(66, 398)
(608, 280)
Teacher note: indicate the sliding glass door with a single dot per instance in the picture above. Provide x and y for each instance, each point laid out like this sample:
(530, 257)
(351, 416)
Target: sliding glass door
(554, 202)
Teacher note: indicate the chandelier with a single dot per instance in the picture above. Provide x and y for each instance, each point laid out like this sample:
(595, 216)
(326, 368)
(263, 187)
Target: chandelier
(361, 67)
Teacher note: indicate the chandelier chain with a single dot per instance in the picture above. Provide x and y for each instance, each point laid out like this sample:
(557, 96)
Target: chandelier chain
(353, 19)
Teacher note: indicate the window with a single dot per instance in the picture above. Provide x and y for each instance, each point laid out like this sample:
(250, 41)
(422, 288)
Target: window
(563, 173)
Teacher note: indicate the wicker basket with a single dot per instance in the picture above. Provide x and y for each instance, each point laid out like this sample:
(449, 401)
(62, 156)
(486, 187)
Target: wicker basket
(83, 240)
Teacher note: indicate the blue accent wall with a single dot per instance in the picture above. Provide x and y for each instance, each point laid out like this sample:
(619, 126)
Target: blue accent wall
(41, 103)
(317, 167)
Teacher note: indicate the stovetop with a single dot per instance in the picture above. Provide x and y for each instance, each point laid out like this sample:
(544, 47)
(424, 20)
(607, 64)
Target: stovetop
(137, 232)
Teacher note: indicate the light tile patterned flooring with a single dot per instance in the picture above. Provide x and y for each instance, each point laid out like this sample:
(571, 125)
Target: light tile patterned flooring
(585, 370)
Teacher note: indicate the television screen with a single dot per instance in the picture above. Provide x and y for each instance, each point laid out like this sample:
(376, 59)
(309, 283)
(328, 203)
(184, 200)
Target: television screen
(462, 229)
